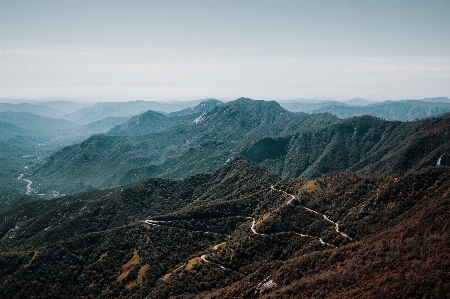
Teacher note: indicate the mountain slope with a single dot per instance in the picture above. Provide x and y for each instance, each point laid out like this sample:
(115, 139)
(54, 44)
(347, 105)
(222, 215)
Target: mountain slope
(408, 258)
(102, 110)
(308, 105)
(43, 128)
(391, 110)
(100, 126)
(104, 161)
(67, 106)
(9, 130)
(11, 165)
(116, 207)
(239, 232)
(40, 110)
(201, 108)
(437, 100)
(364, 144)
(246, 119)
(153, 122)
(26, 138)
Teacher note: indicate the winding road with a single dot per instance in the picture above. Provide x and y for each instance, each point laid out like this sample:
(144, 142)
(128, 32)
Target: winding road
(292, 197)
(253, 226)
(154, 222)
(203, 257)
(253, 230)
(439, 160)
(29, 189)
(336, 224)
(302, 235)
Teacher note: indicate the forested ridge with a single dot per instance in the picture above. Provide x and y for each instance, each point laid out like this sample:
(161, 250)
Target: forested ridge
(290, 145)
(235, 200)
(105, 161)
(239, 232)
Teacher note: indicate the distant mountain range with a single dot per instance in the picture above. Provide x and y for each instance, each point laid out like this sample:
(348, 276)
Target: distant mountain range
(32, 137)
(61, 104)
(40, 110)
(290, 145)
(170, 144)
(405, 110)
(106, 161)
(44, 128)
(83, 113)
(391, 110)
(102, 110)
(242, 199)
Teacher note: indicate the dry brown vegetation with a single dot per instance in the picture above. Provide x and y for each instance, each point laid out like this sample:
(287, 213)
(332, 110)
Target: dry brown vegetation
(397, 246)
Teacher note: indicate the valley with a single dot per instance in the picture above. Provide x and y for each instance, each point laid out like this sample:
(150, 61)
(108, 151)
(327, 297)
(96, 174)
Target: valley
(224, 149)
(304, 146)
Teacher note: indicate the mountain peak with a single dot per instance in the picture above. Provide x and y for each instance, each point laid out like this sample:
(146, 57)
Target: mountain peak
(201, 108)
(154, 122)
(358, 102)
(243, 103)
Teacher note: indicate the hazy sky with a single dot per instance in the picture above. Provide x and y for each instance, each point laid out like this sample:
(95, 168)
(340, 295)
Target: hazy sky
(181, 50)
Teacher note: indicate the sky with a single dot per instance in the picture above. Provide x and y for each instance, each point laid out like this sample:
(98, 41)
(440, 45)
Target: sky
(185, 50)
